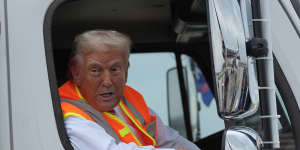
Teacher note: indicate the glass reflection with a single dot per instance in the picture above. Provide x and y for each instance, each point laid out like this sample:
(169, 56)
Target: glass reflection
(231, 64)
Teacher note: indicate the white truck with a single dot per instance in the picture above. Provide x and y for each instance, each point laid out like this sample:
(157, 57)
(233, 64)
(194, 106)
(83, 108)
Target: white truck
(248, 51)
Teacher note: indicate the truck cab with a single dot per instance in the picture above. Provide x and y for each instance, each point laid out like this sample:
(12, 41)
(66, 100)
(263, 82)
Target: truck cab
(178, 47)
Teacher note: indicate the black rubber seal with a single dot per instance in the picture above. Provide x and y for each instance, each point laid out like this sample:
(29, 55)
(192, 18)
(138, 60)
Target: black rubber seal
(52, 76)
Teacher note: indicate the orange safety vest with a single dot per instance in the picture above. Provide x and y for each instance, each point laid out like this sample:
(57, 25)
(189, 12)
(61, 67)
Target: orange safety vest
(132, 104)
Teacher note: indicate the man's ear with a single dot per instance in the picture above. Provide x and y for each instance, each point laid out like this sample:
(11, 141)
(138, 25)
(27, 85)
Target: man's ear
(74, 69)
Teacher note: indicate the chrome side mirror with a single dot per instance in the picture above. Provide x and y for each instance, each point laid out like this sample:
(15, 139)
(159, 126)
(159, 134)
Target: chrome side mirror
(241, 138)
(236, 85)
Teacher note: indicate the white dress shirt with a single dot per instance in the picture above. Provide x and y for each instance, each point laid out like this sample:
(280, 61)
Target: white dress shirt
(88, 135)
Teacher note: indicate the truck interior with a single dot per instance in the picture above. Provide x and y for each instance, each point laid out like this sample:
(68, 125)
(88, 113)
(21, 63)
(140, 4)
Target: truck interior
(154, 26)
(179, 27)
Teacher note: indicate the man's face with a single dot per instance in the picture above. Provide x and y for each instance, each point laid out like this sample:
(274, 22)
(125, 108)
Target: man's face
(102, 76)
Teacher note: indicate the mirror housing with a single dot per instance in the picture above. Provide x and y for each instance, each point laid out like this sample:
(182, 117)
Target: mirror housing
(234, 72)
(175, 104)
(175, 107)
(241, 138)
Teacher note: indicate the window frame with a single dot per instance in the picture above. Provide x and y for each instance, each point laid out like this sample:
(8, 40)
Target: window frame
(49, 52)
(52, 75)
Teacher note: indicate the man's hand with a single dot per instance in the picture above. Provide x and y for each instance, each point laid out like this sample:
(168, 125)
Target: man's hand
(181, 148)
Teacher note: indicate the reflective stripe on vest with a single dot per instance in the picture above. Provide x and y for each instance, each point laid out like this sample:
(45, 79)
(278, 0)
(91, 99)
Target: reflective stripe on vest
(115, 127)
(71, 110)
(96, 116)
(124, 131)
(137, 123)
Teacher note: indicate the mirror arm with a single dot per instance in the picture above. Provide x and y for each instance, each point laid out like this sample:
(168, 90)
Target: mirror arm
(257, 47)
(184, 97)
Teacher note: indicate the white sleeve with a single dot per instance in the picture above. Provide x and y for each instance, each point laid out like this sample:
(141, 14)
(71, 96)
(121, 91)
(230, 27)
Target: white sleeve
(87, 135)
(170, 138)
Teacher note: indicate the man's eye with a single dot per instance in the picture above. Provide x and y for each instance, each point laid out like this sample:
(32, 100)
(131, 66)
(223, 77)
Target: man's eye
(94, 71)
(115, 69)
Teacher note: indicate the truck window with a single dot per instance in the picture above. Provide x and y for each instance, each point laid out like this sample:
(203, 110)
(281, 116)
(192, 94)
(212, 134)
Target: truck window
(150, 74)
(147, 74)
(152, 27)
(210, 122)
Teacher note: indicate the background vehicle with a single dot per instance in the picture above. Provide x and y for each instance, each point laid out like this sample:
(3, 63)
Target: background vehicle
(36, 38)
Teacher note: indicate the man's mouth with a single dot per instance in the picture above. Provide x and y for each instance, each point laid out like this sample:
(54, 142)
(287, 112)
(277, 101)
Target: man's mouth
(107, 95)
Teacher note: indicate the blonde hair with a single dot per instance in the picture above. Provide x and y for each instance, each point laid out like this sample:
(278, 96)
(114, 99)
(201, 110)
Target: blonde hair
(84, 42)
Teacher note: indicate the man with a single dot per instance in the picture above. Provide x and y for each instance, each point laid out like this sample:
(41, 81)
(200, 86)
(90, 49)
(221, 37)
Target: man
(100, 111)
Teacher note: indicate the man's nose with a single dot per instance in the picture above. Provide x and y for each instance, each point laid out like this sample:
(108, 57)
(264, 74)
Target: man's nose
(106, 82)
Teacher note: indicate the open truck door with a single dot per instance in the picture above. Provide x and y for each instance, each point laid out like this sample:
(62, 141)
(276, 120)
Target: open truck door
(36, 41)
